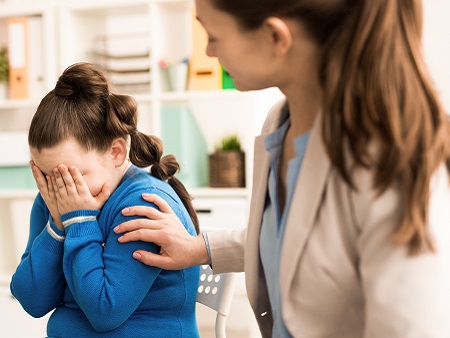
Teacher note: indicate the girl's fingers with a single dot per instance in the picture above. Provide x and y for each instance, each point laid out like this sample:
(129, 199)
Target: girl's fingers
(50, 187)
(55, 187)
(68, 180)
(103, 196)
(39, 177)
(58, 183)
(78, 181)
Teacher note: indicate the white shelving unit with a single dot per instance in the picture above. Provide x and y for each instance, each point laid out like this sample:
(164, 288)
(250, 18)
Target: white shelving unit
(161, 29)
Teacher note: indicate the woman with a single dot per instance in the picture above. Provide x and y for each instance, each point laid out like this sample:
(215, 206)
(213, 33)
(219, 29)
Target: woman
(348, 238)
(73, 263)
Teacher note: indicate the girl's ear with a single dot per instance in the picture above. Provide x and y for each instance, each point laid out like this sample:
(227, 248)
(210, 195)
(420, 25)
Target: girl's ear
(118, 151)
(280, 34)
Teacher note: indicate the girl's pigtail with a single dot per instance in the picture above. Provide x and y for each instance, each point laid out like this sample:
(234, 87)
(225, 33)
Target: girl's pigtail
(146, 150)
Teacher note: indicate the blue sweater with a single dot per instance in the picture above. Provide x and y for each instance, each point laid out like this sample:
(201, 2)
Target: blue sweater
(96, 287)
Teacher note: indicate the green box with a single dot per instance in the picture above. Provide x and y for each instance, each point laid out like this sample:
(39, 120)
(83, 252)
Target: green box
(227, 81)
(183, 138)
(16, 177)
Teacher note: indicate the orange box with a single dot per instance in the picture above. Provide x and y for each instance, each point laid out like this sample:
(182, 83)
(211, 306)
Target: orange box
(205, 72)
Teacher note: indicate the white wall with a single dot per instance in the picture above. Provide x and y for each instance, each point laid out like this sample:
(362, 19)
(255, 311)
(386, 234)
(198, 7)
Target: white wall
(436, 35)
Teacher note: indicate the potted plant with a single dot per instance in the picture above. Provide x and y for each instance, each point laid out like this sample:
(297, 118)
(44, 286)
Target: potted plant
(4, 72)
(227, 164)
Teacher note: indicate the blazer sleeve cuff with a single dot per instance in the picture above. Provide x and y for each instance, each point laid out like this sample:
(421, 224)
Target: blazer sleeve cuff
(227, 250)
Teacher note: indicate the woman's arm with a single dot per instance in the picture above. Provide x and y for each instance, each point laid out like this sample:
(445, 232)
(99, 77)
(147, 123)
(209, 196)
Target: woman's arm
(179, 250)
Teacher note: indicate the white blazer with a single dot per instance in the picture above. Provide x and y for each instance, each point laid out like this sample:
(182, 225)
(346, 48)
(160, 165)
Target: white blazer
(341, 276)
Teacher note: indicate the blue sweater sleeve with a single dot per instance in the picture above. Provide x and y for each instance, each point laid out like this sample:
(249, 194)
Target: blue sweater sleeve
(106, 282)
(38, 282)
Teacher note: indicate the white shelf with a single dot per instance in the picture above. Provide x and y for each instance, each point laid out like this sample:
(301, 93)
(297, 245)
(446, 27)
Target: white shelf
(218, 192)
(167, 97)
(209, 95)
(16, 9)
(18, 193)
(18, 104)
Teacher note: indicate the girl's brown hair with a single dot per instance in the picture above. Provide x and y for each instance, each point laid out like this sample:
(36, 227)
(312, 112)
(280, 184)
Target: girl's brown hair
(376, 91)
(83, 107)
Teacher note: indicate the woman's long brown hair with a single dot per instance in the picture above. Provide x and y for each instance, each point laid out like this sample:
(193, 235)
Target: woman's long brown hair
(377, 92)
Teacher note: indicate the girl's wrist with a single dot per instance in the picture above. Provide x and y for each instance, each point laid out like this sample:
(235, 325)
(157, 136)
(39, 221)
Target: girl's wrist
(58, 222)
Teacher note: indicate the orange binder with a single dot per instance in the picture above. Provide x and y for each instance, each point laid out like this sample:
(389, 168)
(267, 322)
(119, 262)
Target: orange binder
(205, 71)
(18, 57)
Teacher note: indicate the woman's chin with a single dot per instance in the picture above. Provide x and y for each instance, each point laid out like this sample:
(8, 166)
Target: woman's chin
(245, 88)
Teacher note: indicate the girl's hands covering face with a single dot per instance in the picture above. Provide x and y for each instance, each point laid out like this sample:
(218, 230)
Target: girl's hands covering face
(45, 187)
(72, 192)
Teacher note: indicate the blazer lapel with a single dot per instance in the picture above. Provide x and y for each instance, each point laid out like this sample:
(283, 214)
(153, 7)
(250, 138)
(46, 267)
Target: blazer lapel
(304, 205)
(260, 173)
(255, 282)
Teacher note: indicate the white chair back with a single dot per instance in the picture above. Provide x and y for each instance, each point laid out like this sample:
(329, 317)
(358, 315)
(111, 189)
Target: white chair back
(216, 292)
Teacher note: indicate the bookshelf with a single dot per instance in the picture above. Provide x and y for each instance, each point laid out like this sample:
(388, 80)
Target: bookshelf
(134, 35)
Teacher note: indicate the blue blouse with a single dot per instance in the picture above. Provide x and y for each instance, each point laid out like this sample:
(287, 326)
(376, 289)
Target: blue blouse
(274, 219)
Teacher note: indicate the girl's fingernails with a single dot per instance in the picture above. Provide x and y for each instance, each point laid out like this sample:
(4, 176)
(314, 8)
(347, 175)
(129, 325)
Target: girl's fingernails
(116, 229)
(125, 211)
(137, 256)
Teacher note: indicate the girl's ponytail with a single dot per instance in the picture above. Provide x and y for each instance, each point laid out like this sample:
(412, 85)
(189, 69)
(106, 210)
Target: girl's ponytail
(146, 150)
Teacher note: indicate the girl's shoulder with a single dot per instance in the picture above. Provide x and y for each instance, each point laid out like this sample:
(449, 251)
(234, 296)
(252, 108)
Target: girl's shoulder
(138, 181)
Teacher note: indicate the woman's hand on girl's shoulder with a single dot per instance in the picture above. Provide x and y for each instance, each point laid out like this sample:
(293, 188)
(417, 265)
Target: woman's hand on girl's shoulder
(179, 249)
